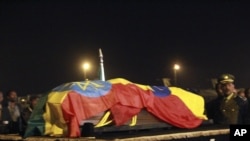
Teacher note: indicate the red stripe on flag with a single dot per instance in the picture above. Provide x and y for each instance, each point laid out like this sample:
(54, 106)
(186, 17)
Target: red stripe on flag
(77, 108)
(172, 110)
(129, 103)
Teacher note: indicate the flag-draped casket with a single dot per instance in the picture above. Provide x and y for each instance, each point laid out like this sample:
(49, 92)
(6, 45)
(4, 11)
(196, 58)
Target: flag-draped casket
(61, 111)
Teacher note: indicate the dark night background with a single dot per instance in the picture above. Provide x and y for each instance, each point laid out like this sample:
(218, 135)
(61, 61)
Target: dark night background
(43, 43)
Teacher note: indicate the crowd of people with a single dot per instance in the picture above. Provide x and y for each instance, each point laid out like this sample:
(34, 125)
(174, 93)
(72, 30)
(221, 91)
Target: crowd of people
(14, 116)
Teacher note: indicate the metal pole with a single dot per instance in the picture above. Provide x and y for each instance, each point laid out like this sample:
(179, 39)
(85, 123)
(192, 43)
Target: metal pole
(84, 71)
(176, 68)
(85, 74)
(102, 74)
(175, 77)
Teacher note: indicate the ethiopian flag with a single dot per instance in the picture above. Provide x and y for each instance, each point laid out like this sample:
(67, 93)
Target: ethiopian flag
(61, 111)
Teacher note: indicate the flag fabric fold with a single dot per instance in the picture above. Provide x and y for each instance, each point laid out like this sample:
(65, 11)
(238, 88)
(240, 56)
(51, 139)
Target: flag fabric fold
(62, 110)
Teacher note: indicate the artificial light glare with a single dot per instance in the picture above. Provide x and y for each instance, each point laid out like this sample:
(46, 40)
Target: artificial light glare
(86, 66)
(176, 67)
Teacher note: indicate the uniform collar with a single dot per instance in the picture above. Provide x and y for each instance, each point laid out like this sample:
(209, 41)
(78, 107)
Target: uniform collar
(229, 97)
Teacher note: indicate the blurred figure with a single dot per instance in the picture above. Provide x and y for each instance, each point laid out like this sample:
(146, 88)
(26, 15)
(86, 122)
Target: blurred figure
(212, 106)
(1, 104)
(218, 90)
(26, 113)
(241, 94)
(247, 93)
(11, 112)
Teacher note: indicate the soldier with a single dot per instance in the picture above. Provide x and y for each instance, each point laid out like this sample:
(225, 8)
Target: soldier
(232, 108)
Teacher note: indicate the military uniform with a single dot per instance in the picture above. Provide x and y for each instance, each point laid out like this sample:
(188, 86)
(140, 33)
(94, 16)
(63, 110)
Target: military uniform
(231, 108)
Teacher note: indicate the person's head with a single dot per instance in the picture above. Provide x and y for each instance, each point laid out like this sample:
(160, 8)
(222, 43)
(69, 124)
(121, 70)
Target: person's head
(33, 101)
(227, 84)
(241, 93)
(1, 96)
(247, 92)
(12, 95)
(218, 89)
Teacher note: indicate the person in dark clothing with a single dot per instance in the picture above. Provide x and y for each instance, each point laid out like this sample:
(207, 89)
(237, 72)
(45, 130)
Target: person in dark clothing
(231, 108)
(11, 112)
(1, 105)
(247, 94)
(212, 106)
(26, 113)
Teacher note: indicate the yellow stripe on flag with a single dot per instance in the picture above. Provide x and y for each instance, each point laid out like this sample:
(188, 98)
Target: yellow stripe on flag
(125, 82)
(55, 124)
(193, 101)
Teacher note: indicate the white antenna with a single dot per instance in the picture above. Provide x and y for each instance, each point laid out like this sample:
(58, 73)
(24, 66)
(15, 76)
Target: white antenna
(102, 74)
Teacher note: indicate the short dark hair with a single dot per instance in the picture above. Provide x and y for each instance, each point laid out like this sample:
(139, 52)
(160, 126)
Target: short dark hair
(33, 97)
(9, 91)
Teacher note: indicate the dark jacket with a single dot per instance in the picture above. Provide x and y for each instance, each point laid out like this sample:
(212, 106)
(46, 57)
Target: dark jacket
(25, 115)
(231, 111)
(13, 126)
(213, 111)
